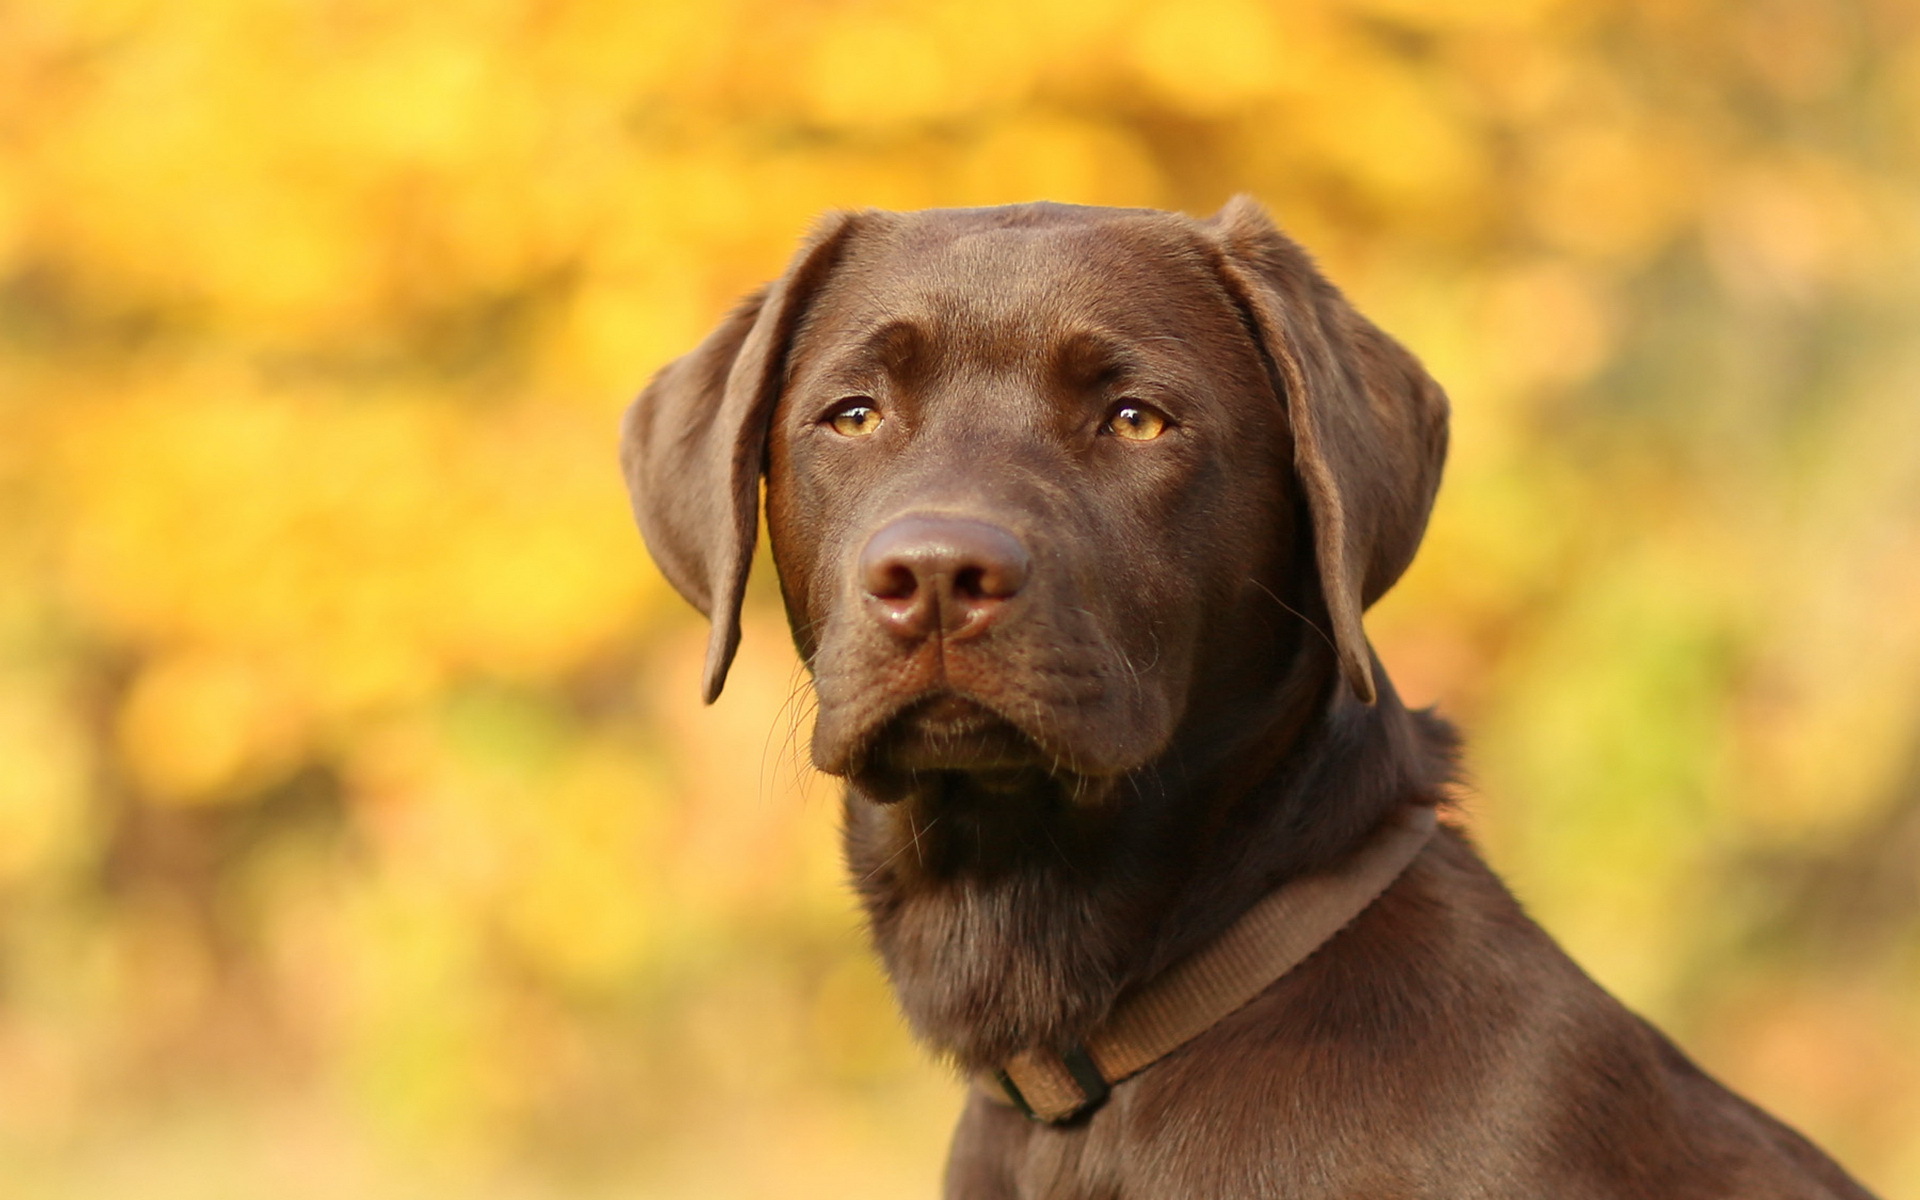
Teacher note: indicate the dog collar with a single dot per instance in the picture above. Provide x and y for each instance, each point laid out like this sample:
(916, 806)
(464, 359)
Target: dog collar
(1199, 991)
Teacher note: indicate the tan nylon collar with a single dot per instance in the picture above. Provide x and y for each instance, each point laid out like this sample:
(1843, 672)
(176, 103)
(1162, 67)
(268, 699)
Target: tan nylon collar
(1191, 996)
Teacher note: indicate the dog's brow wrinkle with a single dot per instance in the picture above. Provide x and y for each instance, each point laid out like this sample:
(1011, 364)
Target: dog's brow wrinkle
(1091, 356)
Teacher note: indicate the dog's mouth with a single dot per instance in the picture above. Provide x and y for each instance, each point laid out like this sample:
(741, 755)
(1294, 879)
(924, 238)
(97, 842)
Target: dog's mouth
(889, 730)
(950, 732)
(943, 735)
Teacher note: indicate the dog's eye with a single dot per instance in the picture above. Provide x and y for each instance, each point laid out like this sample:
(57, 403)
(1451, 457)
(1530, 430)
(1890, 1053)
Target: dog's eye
(1136, 422)
(854, 418)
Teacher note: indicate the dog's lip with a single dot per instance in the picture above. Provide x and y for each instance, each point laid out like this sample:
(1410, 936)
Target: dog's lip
(1064, 730)
(948, 731)
(951, 711)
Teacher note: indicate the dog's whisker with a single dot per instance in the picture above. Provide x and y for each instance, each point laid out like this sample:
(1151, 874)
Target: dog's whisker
(1324, 636)
(790, 713)
(900, 852)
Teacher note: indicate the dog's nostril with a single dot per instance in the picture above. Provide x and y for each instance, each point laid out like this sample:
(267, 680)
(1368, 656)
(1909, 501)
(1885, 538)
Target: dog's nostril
(994, 580)
(892, 581)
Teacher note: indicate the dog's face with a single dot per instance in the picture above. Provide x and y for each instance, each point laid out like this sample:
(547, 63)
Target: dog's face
(1036, 477)
(1017, 475)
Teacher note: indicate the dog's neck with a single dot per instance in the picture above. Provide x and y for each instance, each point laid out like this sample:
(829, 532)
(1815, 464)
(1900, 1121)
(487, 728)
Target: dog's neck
(1016, 918)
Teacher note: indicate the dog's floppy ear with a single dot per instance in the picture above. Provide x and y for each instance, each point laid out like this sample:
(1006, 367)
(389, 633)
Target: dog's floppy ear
(1369, 424)
(694, 444)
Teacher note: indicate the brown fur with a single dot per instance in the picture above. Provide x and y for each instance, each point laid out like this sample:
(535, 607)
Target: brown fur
(1159, 706)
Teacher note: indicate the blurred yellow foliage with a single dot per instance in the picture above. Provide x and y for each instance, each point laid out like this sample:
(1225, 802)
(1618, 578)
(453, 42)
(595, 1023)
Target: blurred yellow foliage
(360, 833)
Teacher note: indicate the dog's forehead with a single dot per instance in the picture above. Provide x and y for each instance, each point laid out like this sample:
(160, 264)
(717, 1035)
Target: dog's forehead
(1024, 275)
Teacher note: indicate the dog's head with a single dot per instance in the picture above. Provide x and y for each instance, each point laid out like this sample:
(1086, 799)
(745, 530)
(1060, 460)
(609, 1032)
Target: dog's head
(1038, 475)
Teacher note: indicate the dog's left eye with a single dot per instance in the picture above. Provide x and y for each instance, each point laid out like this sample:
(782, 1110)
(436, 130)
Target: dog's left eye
(1136, 422)
(854, 418)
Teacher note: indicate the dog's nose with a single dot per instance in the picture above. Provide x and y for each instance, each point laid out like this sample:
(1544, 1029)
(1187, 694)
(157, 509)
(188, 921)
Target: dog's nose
(923, 573)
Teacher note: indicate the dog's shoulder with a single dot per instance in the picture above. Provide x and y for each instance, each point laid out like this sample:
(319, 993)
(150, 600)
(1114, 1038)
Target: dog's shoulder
(1441, 1036)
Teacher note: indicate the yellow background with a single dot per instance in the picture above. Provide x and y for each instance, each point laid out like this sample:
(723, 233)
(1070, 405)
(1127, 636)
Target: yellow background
(360, 830)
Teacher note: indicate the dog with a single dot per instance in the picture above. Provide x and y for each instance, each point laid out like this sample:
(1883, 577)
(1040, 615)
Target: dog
(1075, 513)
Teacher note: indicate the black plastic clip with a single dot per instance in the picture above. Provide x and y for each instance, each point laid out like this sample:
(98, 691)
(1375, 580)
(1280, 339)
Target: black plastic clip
(1093, 1089)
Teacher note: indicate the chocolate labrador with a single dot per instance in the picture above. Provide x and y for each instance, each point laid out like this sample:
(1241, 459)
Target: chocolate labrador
(1075, 513)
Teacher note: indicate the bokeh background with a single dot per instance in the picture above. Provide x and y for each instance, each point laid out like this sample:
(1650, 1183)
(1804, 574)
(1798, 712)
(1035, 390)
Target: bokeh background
(361, 833)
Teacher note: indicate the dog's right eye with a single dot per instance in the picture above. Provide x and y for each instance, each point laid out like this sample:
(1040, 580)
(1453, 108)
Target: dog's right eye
(853, 418)
(1136, 422)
